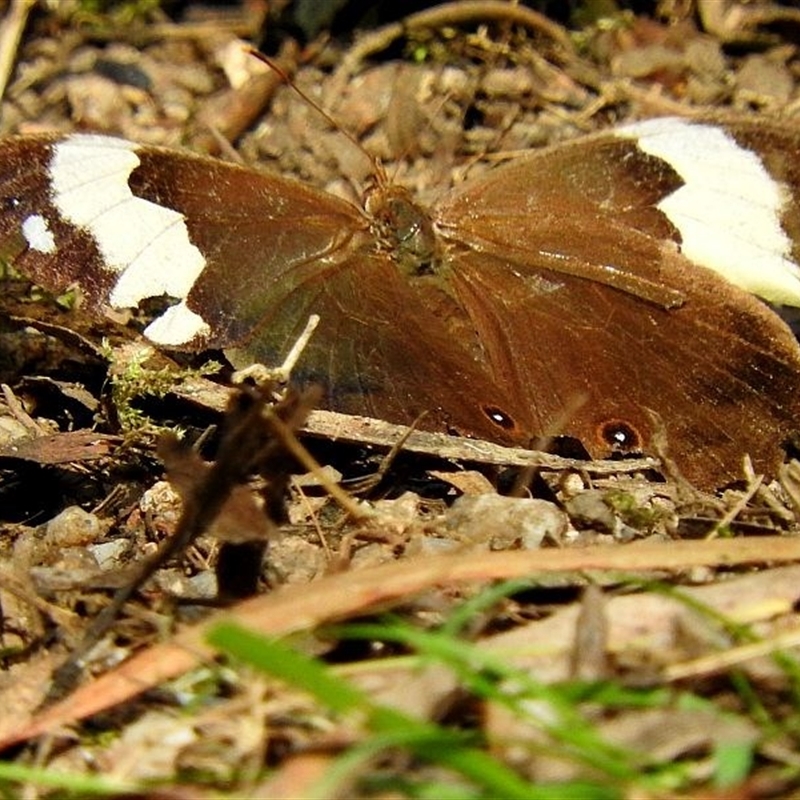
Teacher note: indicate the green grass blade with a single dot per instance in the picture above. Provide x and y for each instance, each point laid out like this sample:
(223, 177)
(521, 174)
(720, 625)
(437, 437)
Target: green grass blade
(425, 740)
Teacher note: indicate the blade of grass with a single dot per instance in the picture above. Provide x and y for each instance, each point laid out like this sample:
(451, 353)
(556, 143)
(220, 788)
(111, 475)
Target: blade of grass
(487, 676)
(733, 764)
(487, 598)
(81, 785)
(425, 740)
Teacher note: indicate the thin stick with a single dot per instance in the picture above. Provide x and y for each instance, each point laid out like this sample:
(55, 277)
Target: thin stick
(291, 443)
(449, 14)
(10, 37)
(262, 374)
(199, 511)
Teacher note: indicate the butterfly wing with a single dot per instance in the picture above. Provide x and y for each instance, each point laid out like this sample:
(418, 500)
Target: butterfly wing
(128, 223)
(720, 371)
(277, 251)
(274, 252)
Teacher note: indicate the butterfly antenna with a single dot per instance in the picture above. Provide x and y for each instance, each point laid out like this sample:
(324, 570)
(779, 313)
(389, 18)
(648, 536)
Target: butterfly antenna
(380, 173)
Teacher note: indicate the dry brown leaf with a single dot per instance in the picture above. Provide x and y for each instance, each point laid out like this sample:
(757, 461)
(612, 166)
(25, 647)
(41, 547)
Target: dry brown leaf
(63, 448)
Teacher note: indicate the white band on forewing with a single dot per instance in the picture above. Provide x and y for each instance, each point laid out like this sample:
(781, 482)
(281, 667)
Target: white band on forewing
(147, 244)
(728, 211)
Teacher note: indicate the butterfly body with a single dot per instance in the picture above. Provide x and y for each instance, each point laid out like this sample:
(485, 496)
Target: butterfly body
(554, 295)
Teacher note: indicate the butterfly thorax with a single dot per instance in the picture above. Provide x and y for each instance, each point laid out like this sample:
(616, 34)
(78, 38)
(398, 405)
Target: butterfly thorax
(402, 228)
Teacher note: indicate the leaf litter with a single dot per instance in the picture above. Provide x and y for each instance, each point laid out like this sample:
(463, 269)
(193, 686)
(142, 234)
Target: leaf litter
(597, 605)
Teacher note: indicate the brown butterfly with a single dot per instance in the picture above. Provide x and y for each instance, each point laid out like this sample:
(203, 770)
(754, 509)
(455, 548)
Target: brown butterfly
(582, 277)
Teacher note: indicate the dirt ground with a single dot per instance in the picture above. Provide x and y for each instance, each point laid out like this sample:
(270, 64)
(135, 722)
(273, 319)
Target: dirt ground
(614, 574)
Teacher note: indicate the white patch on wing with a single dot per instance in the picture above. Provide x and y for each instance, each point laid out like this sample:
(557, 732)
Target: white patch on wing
(38, 235)
(147, 244)
(176, 326)
(729, 209)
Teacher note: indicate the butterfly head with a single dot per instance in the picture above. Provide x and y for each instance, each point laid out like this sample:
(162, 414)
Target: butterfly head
(402, 228)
